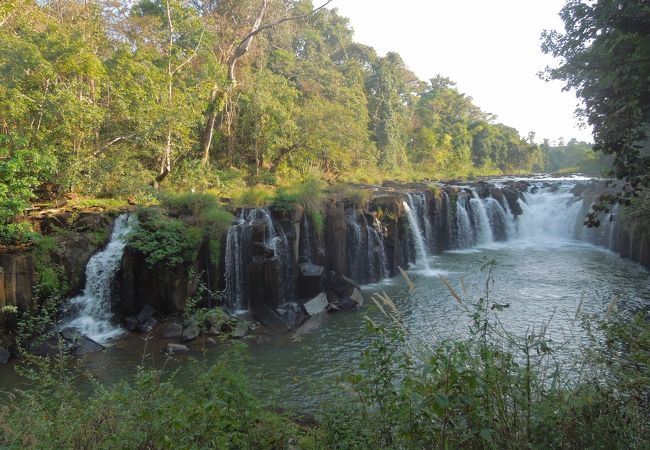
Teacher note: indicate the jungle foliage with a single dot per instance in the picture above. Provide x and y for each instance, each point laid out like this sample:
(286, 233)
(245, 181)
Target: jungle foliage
(116, 99)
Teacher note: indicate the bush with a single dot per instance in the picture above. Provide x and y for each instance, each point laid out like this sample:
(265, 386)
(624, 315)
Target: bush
(254, 196)
(163, 240)
(189, 203)
(20, 233)
(308, 193)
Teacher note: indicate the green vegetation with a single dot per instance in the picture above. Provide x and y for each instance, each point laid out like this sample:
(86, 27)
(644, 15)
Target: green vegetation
(124, 99)
(490, 390)
(171, 236)
(604, 55)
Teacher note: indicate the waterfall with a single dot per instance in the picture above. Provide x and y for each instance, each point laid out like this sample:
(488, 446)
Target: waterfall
(416, 234)
(354, 246)
(483, 232)
(305, 237)
(500, 224)
(464, 235)
(377, 265)
(551, 215)
(94, 316)
(239, 257)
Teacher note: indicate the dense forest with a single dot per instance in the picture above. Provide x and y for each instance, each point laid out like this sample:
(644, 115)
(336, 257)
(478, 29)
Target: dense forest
(116, 98)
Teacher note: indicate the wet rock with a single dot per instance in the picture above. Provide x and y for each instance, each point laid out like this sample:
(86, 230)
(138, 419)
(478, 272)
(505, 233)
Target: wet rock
(270, 318)
(316, 305)
(131, 323)
(309, 326)
(310, 280)
(357, 297)
(147, 326)
(190, 332)
(145, 314)
(512, 197)
(172, 331)
(84, 345)
(240, 330)
(70, 334)
(4, 355)
(176, 348)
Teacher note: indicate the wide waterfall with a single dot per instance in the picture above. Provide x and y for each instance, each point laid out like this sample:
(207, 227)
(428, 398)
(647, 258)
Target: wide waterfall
(93, 316)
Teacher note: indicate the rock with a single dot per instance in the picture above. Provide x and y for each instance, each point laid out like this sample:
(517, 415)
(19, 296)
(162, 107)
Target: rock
(70, 334)
(316, 305)
(310, 280)
(240, 330)
(269, 317)
(172, 331)
(145, 314)
(147, 326)
(4, 355)
(84, 345)
(357, 297)
(176, 348)
(190, 332)
(211, 340)
(131, 323)
(44, 347)
(313, 323)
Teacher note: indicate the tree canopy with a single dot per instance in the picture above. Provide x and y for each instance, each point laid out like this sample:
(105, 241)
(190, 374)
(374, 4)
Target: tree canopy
(604, 53)
(124, 97)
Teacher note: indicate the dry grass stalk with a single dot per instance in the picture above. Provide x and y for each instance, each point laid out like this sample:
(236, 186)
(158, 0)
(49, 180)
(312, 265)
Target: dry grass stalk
(462, 284)
(451, 289)
(409, 283)
(611, 306)
(582, 298)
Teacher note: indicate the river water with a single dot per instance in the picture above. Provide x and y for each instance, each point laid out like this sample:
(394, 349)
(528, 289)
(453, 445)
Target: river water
(543, 272)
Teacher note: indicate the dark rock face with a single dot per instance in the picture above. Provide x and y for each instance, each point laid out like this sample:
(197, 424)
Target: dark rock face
(16, 280)
(512, 197)
(4, 355)
(163, 289)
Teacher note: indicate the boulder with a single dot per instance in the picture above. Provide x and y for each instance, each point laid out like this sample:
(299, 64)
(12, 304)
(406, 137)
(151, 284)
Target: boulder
(309, 326)
(4, 355)
(240, 330)
(316, 305)
(172, 331)
(190, 332)
(131, 323)
(176, 348)
(512, 197)
(84, 345)
(310, 280)
(147, 326)
(357, 297)
(145, 314)
(270, 318)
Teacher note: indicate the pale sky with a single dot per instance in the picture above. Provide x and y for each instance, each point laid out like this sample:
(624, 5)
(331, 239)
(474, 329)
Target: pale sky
(490, 48)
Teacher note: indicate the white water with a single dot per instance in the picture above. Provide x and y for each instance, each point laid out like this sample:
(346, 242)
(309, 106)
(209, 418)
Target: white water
(418, 240)
(483, 230)
(94, 318)
(465, 234)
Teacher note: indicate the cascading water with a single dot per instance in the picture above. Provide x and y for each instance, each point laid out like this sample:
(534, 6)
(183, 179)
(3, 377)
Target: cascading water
(377, 266)
(550, 215)
(464, 235)
(239, 255)
(416, 234)
(94, 316)
(482, 230)
(354, 244)
(502, 226)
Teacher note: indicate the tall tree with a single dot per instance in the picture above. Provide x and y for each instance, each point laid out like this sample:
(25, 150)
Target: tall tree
(604, 53)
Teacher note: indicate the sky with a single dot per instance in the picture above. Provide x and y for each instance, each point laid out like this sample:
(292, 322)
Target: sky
(490, 48)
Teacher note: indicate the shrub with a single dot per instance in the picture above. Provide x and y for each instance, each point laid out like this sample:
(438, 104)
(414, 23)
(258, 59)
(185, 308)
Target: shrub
(189, 203)
(163, 240)
(254, 196)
